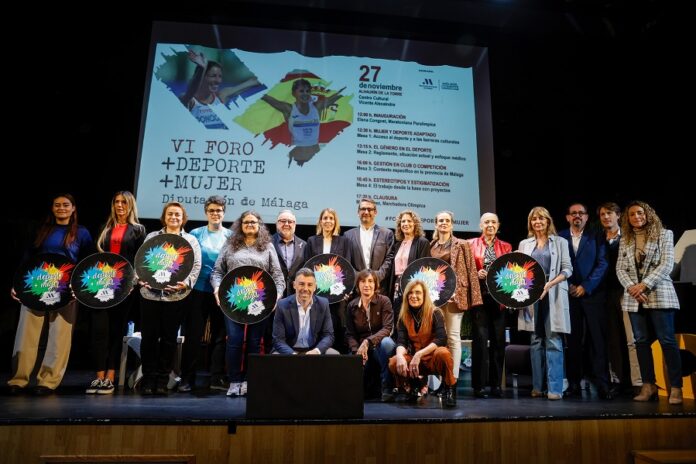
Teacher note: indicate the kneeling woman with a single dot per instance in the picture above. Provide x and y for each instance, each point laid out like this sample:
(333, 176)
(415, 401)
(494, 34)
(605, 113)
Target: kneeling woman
(422, 344)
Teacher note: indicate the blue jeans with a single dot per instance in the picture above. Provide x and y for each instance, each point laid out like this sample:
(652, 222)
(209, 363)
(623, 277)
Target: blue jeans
(235, 342)
(383, 352)
(663, 322)
(546, 352)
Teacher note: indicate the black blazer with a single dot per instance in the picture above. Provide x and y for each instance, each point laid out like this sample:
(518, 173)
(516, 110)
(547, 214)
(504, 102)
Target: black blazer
(420, 248)
(297, 261)
(339, 246)
(381, 251)
(132, 240)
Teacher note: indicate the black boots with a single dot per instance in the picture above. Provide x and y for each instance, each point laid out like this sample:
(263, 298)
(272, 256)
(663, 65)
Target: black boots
(450, 397)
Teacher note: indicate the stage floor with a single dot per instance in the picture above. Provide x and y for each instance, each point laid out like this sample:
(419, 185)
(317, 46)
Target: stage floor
(70, 405)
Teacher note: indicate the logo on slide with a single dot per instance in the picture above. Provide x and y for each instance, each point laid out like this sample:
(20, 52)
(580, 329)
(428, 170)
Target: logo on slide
(428, 84)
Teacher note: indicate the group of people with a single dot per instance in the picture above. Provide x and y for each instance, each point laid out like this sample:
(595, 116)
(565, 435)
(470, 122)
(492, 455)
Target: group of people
(593, 281)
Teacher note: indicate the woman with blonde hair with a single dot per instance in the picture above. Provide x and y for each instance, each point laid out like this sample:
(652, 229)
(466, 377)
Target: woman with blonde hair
(549, 318)
(421, 346)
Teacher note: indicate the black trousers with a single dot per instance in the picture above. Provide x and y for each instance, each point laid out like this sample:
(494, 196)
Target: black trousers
(488, 344)
(588, 331)
(160, 323)
(198, 308)
(108, 326)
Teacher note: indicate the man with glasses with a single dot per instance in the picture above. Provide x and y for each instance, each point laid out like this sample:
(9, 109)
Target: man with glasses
(202, 303)
(289, 248)
(588, 318)
(371, 245)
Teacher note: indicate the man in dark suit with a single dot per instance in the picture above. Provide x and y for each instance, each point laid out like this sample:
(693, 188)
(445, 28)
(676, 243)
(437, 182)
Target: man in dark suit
(289, 248)
(371, 245)
(302, 322)
(588, 318)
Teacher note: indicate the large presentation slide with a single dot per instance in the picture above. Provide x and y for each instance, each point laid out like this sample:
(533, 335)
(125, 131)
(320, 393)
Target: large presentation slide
(277, 119)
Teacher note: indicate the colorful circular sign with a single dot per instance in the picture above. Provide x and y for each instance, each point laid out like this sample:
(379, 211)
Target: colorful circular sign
(164, 259)
(438, 276)
(247, 294)
(42, 282)
(515, 280)
(334, 274)
(102, 280)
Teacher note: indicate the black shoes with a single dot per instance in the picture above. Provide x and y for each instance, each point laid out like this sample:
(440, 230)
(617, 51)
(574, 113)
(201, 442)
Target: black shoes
(15, 389)
(574, 389)
(387, 395)
(450, 398)
(40, 390)
(219, 383)
(496, 392)
(481, 394)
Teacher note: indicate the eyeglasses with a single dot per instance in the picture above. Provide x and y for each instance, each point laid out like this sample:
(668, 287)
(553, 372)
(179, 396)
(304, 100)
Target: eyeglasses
(250, 223)
(215, 211)
(366, 209)
(285, 221)
(577, 213)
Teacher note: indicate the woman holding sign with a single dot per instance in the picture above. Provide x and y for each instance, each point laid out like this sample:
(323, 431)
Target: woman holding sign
(457, 253)
(488, 346)
(123, 235)
(249, 245)
(329, 240)
(162, 308)
(549, 318)
(59, 234)
(410, 245)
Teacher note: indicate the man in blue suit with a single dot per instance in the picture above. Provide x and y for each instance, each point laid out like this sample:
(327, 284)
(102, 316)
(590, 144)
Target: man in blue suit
(302, 322)
(588, 318)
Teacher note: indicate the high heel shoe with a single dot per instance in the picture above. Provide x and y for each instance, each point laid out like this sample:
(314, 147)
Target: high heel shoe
(675, 396)
(648, 392)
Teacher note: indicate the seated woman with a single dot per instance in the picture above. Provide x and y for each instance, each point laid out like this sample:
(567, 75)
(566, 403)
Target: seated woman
(421, 345)
(369, 321)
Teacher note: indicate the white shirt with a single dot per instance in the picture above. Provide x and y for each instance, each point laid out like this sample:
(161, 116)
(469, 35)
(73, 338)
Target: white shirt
(303, 333)
(366, 236)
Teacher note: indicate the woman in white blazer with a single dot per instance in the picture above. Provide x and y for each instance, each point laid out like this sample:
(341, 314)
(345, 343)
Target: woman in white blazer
(549, 318)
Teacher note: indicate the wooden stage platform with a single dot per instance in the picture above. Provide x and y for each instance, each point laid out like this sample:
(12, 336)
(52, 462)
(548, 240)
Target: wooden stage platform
(208, 427)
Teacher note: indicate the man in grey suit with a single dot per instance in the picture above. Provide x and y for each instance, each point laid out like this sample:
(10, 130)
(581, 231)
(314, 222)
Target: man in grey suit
(302, 322)
(289, 248)
(371, 245)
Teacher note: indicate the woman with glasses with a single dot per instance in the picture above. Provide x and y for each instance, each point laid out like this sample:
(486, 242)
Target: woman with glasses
(646, 258)
(162, 309)
(201, 303)
(123, 235)
(249, 245)
(328, 240)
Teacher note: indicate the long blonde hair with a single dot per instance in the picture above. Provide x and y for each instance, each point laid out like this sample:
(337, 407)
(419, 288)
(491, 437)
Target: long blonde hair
(132, 217)
(543, 212)
(428, 306)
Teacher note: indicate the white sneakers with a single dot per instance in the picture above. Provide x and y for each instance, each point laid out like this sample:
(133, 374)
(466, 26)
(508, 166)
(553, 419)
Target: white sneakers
(237, 389)
(100, 387)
